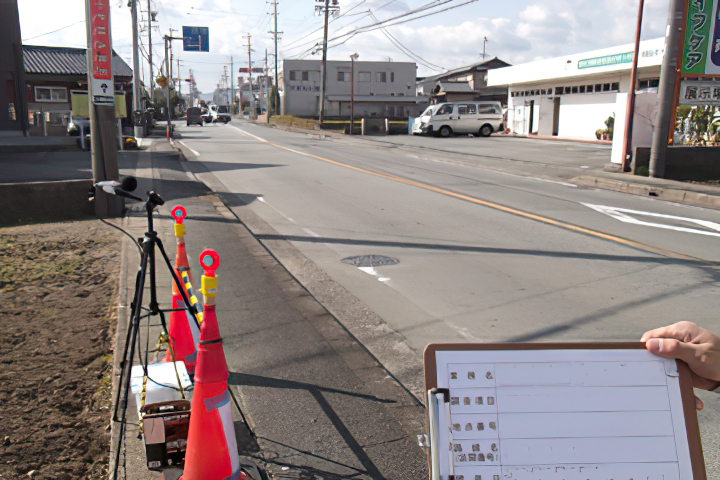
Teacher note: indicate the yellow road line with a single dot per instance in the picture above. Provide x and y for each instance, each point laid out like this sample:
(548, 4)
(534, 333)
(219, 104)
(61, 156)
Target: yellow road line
(514, 211)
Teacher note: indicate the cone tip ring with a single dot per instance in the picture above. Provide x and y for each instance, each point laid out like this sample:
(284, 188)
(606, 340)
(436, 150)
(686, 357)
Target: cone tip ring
(179, 213)
(209, 261)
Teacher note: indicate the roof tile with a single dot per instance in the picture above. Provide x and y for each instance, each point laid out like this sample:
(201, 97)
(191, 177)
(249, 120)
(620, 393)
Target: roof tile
(40, 60)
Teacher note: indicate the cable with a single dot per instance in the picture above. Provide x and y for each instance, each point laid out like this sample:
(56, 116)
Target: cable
(407, 51)
(48, 33)
(305, 35)
(123, 231)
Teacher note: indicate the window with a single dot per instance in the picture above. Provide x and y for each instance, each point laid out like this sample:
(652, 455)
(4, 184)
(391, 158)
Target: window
(606, 87)
(343, 76)
(467, 109)
(582, 88)
(567, 90)
(392, 77)
(445, 110)
(305, 76)
(487, 109)
(364, 77)
(574, 89)
(293, 75)
(558, 90)
(51, 94)
(598, 88)
(381, 77)
(615, 86)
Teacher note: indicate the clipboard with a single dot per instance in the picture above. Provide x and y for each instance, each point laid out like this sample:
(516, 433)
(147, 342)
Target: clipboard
(560, 411)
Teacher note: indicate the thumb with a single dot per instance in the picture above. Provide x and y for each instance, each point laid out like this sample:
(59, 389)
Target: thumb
(671, 348)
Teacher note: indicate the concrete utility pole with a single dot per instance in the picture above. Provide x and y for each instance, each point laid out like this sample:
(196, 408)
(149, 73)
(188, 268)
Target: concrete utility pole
(323, 68)
(485, 41)
(232, 86)
(178, 77)
(353, 57)
(252, 95)
(668, 82)
(630, 114)
(101, 94)
(150, 51)
(168, 133)
(137, 128)
(275, 33)
(264, 84)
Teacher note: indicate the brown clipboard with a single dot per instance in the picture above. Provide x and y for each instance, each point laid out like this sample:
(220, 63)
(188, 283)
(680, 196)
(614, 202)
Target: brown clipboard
(692, 426)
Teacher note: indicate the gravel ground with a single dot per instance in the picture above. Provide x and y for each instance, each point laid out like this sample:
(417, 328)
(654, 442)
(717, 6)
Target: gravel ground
(58, 289)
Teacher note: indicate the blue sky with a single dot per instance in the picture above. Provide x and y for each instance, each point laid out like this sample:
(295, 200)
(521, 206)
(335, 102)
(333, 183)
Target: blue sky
(518, 31)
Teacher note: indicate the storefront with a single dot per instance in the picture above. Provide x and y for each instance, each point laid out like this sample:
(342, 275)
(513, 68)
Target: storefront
(578, 96)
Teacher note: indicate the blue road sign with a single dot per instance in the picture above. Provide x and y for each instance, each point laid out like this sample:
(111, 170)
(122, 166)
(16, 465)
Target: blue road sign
(196, 39)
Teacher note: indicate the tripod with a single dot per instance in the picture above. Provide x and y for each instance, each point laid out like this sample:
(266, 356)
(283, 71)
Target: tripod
(149, 243)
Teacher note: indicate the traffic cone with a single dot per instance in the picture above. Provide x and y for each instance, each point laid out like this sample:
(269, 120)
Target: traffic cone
(211, 452)
(183, 332)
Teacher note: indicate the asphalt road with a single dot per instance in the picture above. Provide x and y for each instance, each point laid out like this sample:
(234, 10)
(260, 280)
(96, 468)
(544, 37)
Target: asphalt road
(494, 242)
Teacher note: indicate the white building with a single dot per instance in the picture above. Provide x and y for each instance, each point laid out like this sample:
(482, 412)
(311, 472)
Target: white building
(382, 89)
(572, 96)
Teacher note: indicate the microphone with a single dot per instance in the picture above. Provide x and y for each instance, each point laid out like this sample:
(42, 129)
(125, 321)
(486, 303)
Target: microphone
(121, 189)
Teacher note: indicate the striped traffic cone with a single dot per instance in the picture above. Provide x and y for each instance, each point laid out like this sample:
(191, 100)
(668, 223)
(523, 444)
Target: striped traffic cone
(211, 452)
(183, 332)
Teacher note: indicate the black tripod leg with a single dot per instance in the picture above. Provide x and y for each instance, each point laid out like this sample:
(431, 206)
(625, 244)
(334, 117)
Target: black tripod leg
(125, 372)
(179, 284)
(133, 306)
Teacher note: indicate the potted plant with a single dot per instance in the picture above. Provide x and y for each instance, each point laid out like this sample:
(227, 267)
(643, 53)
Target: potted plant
(610, 124)
(599, 133)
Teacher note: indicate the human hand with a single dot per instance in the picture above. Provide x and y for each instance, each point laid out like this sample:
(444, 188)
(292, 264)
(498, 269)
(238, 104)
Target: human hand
(695, 346)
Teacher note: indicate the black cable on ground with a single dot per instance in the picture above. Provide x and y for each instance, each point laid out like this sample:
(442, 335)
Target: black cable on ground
(123, 231)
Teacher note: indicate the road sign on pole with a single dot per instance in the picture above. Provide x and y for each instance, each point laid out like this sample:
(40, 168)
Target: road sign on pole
(102, 85)
(196, 39)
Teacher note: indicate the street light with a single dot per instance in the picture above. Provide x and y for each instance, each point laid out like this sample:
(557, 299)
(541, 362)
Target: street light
(353, 57)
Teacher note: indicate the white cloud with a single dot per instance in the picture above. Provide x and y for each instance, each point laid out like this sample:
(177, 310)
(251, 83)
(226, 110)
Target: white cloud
(517, 31)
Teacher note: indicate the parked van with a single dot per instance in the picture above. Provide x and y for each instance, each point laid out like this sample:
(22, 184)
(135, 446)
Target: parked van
(481, 119)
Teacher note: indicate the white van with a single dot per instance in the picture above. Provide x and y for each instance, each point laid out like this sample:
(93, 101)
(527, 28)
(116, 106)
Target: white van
(481, 119)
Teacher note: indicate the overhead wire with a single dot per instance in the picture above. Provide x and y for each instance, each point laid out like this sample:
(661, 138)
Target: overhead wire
(48, 33)
(407, 51)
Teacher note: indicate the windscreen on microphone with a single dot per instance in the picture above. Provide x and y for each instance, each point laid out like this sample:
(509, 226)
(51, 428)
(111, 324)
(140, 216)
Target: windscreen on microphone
(129, 184)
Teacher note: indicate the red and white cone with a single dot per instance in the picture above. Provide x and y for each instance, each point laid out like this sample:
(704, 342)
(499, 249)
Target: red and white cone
(211, 452)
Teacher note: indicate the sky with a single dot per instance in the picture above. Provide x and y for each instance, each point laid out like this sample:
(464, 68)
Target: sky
(517, 31)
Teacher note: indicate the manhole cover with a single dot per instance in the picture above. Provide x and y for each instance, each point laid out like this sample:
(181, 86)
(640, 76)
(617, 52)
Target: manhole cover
(370, 261)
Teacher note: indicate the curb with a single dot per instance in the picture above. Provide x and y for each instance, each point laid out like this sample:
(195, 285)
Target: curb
(662, 193)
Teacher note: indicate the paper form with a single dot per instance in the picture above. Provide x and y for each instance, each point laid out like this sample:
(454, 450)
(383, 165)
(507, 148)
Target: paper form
(561, 415)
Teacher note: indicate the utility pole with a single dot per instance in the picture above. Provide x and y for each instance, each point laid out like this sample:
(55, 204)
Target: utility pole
(178, 77)
(275, 33)
(630, 114)
(485, 41)
(150, 51)
(666, 94)
(232, 87)
(265, 84)
(323, 68)
(252, 94)
(137, 127)
(101, 94)
(168, 133)
(353, 57)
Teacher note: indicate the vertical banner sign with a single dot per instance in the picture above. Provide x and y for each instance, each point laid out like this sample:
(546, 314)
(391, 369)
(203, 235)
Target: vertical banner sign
(701, 51)
(100, 51)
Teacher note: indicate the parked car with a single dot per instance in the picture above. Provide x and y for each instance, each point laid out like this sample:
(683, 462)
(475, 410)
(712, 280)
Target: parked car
(481, 119)
(423, 119)
(194, 116)
(210, 115)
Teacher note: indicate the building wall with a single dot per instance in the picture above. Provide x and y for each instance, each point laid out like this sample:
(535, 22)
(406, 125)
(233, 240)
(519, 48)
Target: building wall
(300, 96)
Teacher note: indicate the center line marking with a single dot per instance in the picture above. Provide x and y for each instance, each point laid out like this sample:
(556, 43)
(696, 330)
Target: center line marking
(496, 206)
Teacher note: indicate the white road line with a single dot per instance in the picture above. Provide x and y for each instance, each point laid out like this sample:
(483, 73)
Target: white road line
(623, 215)
(197, 154)
(259, 139)
(374, 273)
(565, 184)
(262, 200)
(310, 232)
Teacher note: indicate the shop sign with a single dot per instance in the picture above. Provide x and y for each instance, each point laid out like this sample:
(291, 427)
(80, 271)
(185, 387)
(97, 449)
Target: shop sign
(699, 93)
(102, 84)
(701, 50)
(606, 60)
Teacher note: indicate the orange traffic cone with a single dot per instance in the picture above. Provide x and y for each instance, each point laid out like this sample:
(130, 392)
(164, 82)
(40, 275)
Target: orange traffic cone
(183, 332)
(211, 448)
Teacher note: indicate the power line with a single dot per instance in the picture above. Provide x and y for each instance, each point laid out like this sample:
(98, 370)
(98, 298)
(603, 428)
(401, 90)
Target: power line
(48, 33)
(407, 51)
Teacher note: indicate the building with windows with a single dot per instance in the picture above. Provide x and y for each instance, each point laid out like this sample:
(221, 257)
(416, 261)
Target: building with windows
(51, 74)
(381, 89)
(463, 84)
(572, 96)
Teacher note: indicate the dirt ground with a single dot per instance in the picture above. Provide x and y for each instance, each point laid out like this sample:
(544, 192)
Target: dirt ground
(58, 289)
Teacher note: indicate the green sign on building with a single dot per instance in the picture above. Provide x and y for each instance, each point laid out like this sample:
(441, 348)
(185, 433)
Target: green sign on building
(606, 60)
(698, 58)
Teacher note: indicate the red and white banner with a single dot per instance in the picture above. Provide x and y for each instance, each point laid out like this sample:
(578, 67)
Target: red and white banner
(100, 51)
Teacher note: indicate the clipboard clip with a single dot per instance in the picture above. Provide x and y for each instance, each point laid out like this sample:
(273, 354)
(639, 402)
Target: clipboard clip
(435, 398)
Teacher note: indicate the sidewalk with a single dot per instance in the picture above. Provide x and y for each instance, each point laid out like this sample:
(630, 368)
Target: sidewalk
(317, 404)
(707, 196)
